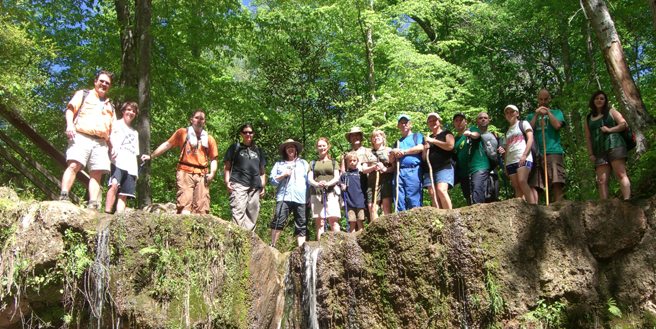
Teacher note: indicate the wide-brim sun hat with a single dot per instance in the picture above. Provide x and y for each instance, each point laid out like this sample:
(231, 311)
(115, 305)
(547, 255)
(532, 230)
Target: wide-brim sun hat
(512, 107)
(433, 114)
(283, 146)
(354, 130)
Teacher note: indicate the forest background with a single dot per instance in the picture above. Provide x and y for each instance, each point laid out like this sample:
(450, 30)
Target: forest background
(305, 69)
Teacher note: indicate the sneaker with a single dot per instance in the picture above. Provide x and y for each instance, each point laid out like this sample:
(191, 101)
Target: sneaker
(93, 205)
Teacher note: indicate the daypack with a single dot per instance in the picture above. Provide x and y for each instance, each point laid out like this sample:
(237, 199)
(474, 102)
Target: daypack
(492, 187)
(490, 145)
(537, 156)
(627, 134)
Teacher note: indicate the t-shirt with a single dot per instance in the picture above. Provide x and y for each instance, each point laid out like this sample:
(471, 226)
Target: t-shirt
(193, 159)
(407, 142)
(354, 194)
(461, 147)
(294, 187)
(440, 158)
(247, 164)
(515, 143)
(125, 142)
(478, 160)
(552, 135)
(95, 117)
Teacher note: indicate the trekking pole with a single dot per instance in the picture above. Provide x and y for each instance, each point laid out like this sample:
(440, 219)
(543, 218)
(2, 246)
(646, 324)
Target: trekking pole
(325, 214)
(544, 160)
(396, 197)
(374, 207)
(432, 181)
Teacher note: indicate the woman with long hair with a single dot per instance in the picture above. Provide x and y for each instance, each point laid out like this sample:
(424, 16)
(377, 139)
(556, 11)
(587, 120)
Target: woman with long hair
(323, 177)
(606, 146)
(438, 151)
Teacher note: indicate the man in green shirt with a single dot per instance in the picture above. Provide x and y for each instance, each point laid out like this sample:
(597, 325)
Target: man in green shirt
(461, 149)
(479, 164)
(551, 120)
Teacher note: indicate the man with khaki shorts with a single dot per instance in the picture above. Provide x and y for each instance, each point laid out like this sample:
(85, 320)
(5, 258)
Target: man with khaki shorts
(552, 121)
(89, 118)
(196, 166)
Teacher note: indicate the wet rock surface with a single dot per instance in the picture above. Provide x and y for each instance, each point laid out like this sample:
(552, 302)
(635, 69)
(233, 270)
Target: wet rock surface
(506, 264)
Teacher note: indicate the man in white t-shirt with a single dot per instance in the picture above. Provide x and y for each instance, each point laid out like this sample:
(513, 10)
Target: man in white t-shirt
(124, 142)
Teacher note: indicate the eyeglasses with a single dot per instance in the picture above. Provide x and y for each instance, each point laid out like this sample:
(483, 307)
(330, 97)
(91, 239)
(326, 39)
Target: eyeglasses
(247, 132)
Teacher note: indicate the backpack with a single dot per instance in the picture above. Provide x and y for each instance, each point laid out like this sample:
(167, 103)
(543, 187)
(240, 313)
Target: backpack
(537, 156)
(627, 134)
(490, 145)
(492, 187)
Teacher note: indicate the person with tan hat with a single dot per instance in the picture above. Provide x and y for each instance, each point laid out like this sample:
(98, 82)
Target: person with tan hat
(290, 175)
(366, 159)
(438, 150)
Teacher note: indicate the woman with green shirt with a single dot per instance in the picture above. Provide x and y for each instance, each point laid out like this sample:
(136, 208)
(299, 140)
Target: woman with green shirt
(606, 147)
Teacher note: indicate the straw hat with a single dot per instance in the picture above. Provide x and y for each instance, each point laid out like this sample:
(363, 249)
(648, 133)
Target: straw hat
(354, 130)
(283, 146)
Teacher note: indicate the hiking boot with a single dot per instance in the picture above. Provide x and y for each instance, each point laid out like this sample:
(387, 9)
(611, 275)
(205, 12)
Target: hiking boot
(63, 196)
(93, 205)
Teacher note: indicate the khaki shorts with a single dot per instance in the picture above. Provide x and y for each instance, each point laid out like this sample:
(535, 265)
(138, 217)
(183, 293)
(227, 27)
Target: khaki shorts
(555, 168)
(332, 206)
(355, 215)
(192, 194)
(90, 151)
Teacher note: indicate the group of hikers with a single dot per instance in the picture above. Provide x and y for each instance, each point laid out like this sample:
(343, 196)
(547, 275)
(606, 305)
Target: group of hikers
(364, 181)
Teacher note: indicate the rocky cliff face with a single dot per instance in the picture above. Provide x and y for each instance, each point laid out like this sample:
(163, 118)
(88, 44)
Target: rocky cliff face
(502, 265)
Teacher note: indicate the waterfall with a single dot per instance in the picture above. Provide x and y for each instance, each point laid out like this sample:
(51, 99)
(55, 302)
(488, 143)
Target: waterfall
(310, 256)
(99, 276)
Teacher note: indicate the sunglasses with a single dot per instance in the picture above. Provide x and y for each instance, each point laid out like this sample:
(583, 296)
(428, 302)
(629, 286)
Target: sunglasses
(247, 132)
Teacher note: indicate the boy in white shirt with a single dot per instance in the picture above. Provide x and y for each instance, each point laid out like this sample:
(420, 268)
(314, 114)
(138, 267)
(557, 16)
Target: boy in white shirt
(124, 151)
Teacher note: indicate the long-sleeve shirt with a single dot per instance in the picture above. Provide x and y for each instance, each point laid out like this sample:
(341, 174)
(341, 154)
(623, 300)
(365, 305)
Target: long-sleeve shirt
(294, 187)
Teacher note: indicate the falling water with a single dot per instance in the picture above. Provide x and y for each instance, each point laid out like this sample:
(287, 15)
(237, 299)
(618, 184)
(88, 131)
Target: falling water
(311, 254)
(99, 275)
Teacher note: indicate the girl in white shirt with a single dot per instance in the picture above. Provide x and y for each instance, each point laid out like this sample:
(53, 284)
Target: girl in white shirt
(517, 154)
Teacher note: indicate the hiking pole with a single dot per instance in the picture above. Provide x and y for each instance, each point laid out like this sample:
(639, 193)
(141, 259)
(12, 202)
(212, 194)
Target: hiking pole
(374, 207)
(430, 172)
(544, 160)
(325, 214)
(396, 197)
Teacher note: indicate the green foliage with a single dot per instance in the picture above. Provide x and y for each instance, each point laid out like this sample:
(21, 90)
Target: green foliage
(77, 258)
(547, 315)
(612, 309)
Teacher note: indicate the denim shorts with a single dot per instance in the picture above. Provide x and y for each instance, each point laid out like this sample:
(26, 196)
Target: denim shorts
(441, 176)
(511, 169)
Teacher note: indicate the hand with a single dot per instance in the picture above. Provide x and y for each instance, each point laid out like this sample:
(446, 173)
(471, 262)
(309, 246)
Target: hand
(467, 133)
(322, 183)
(112, 154)
(542, 110)
(229, 187)
(262, 192)
(208, 178)
(604, 129)
(381, 167)
(430, 140)
(522, 160)
(501, 150)
(145, 157)
(70, 132)
(398, 153)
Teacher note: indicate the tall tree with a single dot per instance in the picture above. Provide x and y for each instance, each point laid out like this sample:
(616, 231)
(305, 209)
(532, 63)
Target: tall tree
(623, 85)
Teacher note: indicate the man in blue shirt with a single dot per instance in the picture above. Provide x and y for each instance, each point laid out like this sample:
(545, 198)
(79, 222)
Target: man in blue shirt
(408, 154)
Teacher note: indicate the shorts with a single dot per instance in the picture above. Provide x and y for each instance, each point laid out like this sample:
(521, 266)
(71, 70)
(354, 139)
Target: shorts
(127, 184)
(193, 195)
(90, 151)
(356, 214)
(511, 169)
(556, 168)
(441, 176)
(332, 205)
(385, 189)
(612, 154)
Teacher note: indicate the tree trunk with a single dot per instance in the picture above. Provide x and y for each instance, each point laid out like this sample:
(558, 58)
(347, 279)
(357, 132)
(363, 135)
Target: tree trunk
(369, 53)
(136, 43)
(144, 14)
(652, 6)
(623, 85)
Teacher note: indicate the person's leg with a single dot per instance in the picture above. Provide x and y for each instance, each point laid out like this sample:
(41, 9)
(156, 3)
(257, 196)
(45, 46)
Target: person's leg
(478, 183)
(319, 225)
(414, 192)
(112, 191)
(443, 196)
(602, 172)
(387, 206)
(72, 168)
(201, 201)
(619, 168)
(522, 180)
(278, 221)
(352, 219)
(300, 223)
(465, 187)
(252, 208)
(238, 204)
(514, 182)
(94, 188)
(121, 203)
(334, 224)
(401, 197)
(185, 194)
